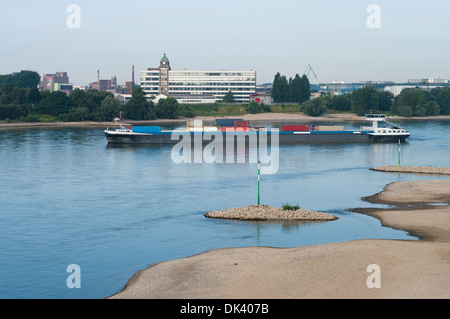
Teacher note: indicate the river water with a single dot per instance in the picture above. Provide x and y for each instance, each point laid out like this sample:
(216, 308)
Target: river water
(68, 198)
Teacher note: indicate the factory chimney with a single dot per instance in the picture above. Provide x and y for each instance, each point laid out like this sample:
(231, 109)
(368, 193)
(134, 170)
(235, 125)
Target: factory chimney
(98, 80)
(132, 79)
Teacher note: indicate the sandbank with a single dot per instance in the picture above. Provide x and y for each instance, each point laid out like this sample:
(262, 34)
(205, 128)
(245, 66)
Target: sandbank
(429, 170)
(408, 268)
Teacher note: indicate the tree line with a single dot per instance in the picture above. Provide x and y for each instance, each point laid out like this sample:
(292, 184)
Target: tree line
(294, 90)
(410, 102)
(20, 100)
(30, 105)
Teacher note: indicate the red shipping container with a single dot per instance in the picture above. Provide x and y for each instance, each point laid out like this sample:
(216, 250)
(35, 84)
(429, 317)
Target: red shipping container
(235, 129)
(227, 129)
(241, 123)
(290, 128)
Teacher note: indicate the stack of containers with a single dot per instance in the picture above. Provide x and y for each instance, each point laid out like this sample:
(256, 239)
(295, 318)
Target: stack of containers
(197, 126)
(194, 126)
(227, 125)
(241, 126)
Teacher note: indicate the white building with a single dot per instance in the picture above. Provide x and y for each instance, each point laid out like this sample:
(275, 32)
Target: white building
(397, 89)
(217, 83)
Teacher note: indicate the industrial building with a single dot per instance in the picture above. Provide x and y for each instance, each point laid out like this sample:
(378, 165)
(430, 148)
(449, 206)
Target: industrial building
(56, 82)
(216, 83)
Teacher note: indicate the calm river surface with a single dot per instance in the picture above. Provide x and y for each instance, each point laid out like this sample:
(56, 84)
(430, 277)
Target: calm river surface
(67, 198)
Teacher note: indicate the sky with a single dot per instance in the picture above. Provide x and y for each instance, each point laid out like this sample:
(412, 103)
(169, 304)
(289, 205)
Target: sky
(345, 40)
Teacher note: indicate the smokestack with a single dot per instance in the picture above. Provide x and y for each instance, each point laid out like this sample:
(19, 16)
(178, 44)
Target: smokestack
(132, 79)
(98, 80)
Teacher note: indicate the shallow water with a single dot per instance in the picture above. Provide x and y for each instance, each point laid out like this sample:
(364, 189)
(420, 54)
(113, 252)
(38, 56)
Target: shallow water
(68, 198)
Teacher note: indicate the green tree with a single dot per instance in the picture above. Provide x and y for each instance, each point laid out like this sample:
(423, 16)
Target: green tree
(284, 88)
(19, 96)
(315, 107)
(385, 100)
(364, 100)
(23, 79)
(413, 102)
(138, 108)
(228, 98)
(296, 88)
(109, 109)
(55, 103)
(76, 114)
(432, 108)
(443, 99)
(404, 110)
(276, 88)
(305, 90)
(340, 102)
(253, 107)
(93, 102)
(167, 108)
(79, 98)
(34, 96)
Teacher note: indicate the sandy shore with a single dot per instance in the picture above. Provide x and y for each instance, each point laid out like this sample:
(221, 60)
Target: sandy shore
(408, 268)
(413, 169)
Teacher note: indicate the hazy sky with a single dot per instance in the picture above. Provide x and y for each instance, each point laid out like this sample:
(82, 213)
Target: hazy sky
(284, 36)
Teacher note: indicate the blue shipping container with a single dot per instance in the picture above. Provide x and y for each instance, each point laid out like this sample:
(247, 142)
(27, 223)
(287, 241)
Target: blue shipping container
(146, 129)
(226, 122)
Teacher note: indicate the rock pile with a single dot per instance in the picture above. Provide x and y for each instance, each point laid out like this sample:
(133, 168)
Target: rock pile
(266, 212)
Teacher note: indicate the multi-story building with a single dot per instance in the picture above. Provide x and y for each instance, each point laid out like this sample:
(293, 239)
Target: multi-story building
(217, 83)
(61, 77)
(56, 82)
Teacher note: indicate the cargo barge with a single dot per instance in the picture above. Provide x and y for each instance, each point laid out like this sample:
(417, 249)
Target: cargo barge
(381, 131)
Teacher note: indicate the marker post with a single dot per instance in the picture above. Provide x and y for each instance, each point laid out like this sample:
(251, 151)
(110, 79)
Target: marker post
(259, 167)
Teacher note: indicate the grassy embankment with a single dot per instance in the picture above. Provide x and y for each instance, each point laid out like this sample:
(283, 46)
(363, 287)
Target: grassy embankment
(235, 109)
(215, 109)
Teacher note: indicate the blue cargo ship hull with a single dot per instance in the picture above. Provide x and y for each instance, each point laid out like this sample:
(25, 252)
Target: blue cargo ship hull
(227, 129)
(283, 137)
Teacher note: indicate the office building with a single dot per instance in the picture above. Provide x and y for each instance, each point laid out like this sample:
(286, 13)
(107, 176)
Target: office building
(217, 83)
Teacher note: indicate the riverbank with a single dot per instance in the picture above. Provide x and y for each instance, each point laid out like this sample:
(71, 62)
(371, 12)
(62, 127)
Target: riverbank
(260, 117)
(408, 269)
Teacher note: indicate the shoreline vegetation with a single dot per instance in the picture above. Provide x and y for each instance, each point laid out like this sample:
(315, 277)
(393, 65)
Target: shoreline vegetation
(22, 101)
(260, 117)
(408, 268)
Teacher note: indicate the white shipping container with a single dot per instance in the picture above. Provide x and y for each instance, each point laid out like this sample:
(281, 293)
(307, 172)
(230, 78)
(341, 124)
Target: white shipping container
(210, 129)
(329, 128)
(195, 129)
(195, 123)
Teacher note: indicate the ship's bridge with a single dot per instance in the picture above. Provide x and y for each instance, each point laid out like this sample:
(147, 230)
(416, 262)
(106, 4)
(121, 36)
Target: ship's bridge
(392, 129)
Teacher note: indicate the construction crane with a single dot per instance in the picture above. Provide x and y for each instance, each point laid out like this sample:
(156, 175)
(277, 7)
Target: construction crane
(309, 69)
